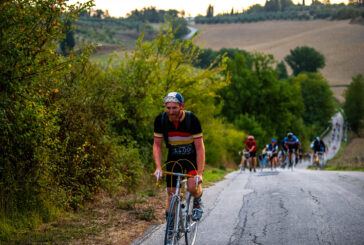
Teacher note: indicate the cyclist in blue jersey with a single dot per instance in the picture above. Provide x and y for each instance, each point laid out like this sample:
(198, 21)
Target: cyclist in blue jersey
(292, 144)
(272, 148)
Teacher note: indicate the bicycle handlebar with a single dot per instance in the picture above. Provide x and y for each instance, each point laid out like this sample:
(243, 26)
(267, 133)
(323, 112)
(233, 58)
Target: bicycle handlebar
(178, 174)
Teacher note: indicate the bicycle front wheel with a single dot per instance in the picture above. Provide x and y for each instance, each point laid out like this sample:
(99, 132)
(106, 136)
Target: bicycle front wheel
(171, 236)
(191, 226)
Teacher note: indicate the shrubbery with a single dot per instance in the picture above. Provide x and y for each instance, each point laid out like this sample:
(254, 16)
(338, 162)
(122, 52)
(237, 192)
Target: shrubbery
(69, 128)
(354, 104)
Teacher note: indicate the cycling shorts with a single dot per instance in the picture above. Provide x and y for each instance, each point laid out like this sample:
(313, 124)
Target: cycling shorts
(293, 147)
(253, 154)
(274, 155)
(179, 167)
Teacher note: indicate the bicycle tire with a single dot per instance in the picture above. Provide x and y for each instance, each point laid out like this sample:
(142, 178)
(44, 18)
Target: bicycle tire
(191, 226)
(172, 221)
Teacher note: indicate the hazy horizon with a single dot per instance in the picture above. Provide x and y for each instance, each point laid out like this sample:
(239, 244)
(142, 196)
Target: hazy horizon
(120, 8)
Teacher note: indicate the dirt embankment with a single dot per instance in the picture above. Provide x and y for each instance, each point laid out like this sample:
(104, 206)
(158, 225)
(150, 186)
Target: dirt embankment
(340, 42)
(352, 156)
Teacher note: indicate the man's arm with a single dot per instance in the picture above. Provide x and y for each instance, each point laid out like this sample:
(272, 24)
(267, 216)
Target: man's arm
(200, 152)
(253, 147)
(157, 155)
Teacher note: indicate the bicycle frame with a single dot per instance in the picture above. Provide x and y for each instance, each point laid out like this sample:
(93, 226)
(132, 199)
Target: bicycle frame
(182, 218)
(319, 159)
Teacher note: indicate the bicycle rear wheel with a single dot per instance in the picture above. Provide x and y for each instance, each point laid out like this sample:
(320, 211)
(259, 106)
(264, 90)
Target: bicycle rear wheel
(191, 226)
(171, 235)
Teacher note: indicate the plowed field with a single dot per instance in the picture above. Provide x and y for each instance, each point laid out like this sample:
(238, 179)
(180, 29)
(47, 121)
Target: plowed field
(340, 42)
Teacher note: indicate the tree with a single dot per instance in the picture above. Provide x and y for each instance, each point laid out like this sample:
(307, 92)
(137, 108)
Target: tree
(305, 59)
(354, 103)
(256, 8)
(180, 27)
(99, 14)
(282, 70)
(257, 102)
(285, 4)
(318, 99)
(210, 11)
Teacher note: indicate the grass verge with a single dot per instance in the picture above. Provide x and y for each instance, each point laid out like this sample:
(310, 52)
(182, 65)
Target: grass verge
(212, 175)
(344, 161)
(107, 220)
(345, 168)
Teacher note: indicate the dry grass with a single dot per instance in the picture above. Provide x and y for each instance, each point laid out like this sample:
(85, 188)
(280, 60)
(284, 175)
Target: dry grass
(340, 42)
(352, 157)
(103, 221)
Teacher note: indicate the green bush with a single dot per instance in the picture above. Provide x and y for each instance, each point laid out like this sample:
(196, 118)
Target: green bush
(354, 103)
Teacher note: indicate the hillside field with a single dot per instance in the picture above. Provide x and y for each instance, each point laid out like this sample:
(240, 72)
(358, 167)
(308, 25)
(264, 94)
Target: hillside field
(340, 42)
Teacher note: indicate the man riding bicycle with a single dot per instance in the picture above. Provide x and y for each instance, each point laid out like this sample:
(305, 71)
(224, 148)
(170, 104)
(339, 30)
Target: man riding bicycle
(318, 147)
(251, 147)
(272, 148)
(183, 136)
(292, 144)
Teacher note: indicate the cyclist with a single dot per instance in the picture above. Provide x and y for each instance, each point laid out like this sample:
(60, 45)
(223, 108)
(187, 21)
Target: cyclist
(273, 148)
(251, 147)
(184, 141)
(318, 147)
(244, 159)
(283, 153)
(292, 144)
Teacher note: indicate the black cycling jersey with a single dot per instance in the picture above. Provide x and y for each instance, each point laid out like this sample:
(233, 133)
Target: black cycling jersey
(181, 144)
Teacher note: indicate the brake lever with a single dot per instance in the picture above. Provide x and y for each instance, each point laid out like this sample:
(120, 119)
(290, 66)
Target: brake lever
(158, 177)
(197, 179)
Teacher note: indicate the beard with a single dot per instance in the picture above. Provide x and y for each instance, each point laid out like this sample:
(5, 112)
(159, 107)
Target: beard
(174, 116)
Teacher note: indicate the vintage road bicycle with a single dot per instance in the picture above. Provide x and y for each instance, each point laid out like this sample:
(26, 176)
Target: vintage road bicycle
(179, 223)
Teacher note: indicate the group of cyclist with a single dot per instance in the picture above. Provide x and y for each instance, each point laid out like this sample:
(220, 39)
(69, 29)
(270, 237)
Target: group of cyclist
(289, 145)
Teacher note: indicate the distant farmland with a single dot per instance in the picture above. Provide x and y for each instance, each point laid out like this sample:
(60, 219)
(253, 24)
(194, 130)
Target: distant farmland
(340, 42)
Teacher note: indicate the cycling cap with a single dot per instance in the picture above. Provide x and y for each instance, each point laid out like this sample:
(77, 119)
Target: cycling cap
(250, 137)
(290, 135)
(318, 138)
(273, 141)
(173, 97)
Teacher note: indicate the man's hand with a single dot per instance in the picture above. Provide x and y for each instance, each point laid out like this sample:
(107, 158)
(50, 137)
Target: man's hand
(158, 174)
(200, 179)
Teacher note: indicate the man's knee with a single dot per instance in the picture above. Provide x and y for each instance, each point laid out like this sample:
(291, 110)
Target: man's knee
(194, 190)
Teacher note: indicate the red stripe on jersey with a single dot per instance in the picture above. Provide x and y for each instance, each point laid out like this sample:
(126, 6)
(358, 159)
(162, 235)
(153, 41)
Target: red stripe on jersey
(176, 133)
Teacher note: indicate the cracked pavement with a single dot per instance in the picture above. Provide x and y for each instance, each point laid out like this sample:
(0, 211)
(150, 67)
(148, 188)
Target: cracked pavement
(283, 207)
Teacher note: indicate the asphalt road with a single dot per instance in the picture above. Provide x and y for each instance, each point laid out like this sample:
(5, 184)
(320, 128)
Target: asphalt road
(282, 207)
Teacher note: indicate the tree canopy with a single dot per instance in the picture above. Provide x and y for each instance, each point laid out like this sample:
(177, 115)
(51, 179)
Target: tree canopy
(305, 59)
(354, 103)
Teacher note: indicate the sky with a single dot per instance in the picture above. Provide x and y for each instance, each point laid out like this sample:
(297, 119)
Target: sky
(119, 8)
